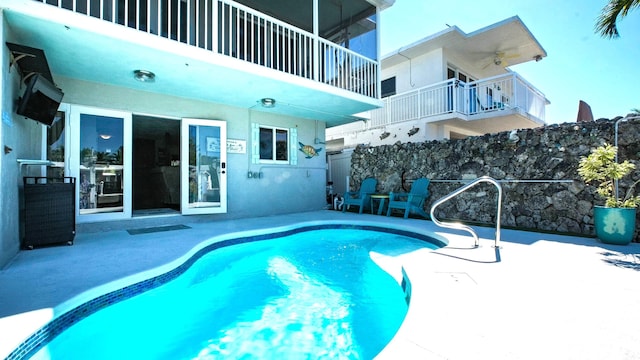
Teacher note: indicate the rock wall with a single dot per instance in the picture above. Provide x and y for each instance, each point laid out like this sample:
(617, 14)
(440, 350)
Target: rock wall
(546, 192)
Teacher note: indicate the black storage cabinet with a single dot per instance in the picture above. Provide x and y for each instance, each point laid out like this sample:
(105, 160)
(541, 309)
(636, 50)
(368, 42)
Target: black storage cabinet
(49, 211)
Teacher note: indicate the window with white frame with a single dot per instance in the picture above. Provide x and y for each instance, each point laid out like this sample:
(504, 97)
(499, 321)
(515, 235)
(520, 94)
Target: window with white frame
(274, 145)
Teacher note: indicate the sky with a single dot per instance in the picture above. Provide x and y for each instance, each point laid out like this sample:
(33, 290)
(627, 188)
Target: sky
(580, 64)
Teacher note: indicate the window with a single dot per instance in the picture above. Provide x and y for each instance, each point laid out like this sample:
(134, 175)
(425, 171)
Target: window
(388, 87)
(274, 145)
(453, 73)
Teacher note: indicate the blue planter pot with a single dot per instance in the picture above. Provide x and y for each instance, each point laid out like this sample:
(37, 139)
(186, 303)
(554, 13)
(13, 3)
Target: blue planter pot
(614, 225)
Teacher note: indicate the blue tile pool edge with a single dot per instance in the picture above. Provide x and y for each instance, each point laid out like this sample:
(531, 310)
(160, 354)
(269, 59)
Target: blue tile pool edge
(60, 323)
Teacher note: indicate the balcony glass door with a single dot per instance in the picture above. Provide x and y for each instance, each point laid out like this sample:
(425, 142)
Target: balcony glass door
(203, 166)
(101, 163)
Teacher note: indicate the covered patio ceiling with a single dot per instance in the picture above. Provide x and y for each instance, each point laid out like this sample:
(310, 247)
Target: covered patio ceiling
(509, 39)
(87, 49)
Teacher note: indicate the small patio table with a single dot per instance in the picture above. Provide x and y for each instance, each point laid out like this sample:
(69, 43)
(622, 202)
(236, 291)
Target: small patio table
(382, 199)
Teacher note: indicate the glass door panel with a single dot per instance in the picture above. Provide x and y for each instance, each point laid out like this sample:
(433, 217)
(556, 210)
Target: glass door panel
(56, 143)
(102, 159)
(203, 166)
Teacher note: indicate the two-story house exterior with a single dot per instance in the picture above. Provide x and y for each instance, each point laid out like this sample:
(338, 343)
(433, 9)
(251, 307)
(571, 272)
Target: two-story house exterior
(450, 85)
(182, 106)
(447, 85)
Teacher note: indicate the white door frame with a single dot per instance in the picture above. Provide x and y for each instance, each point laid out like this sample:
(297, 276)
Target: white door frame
(74, 163)
(185, 206)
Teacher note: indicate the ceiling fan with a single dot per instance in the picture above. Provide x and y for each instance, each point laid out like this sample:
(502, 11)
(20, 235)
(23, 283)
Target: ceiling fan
(500, 58)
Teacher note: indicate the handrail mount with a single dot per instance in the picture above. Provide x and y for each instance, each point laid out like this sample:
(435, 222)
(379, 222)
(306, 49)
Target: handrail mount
(459, 226)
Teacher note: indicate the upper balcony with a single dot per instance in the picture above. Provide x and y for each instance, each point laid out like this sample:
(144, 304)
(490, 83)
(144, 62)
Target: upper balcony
(289, 50)
(499, 103)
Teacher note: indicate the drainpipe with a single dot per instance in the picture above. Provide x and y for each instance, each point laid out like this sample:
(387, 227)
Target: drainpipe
(410, 74)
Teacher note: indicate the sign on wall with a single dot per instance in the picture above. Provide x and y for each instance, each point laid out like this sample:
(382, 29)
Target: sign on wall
(235, 146)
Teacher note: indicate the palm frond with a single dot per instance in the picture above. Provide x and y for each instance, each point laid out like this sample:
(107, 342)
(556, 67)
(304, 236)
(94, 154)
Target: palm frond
(606, 24)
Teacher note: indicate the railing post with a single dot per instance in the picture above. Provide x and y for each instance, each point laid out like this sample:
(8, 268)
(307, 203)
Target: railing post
(464, 97)
(378, 63)
(420, 110)
(214, 26)
(515, 90)
(387, 112)
(454, 90)
(316, 43)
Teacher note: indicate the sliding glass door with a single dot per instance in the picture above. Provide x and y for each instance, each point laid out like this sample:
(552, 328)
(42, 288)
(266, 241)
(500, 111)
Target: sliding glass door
(203, 166)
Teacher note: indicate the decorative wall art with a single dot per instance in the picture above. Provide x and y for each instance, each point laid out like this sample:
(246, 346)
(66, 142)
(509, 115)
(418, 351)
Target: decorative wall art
(309, 151)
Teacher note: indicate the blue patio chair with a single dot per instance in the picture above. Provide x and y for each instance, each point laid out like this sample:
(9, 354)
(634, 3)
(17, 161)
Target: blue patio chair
(362, 197)
(413, 201)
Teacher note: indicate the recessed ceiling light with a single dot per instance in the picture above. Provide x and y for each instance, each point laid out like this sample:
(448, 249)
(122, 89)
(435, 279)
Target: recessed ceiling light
(268, 102)
(144, 75)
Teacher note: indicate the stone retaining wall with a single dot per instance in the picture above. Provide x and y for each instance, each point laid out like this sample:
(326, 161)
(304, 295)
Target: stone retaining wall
(547, 153)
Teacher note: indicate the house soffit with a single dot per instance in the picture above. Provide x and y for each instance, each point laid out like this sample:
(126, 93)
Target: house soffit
(96, 51)
(509, 37)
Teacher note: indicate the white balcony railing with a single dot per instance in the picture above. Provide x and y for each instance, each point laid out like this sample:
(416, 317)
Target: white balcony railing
(228, 28)
(452, 96)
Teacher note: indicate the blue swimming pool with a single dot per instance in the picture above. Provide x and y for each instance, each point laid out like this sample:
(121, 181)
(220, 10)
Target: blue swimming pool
(304, 293)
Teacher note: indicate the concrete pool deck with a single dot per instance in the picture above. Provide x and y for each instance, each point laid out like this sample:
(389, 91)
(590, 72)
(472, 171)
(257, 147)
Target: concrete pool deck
(540, 296)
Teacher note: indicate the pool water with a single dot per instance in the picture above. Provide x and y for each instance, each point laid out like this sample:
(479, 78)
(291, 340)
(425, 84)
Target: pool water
(311, 295)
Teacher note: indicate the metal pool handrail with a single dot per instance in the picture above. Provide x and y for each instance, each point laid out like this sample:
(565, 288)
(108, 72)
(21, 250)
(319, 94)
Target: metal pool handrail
(466, 228)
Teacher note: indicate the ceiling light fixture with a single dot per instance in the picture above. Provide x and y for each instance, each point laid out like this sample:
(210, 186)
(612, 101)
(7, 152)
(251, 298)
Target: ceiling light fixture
(144, 75)
(268, 102)
(105, 136)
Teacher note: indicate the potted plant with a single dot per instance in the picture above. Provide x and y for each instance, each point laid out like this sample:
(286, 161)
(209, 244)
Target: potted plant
(615, 221)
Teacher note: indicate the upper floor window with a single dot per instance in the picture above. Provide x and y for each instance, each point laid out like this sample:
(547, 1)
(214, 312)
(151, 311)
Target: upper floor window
(453, 73)
(274, 145)
(388, 87)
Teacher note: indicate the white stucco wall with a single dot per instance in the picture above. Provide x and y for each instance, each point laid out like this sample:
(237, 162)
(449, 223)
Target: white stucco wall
(399, 132)
(417, 72)
(359, 133)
